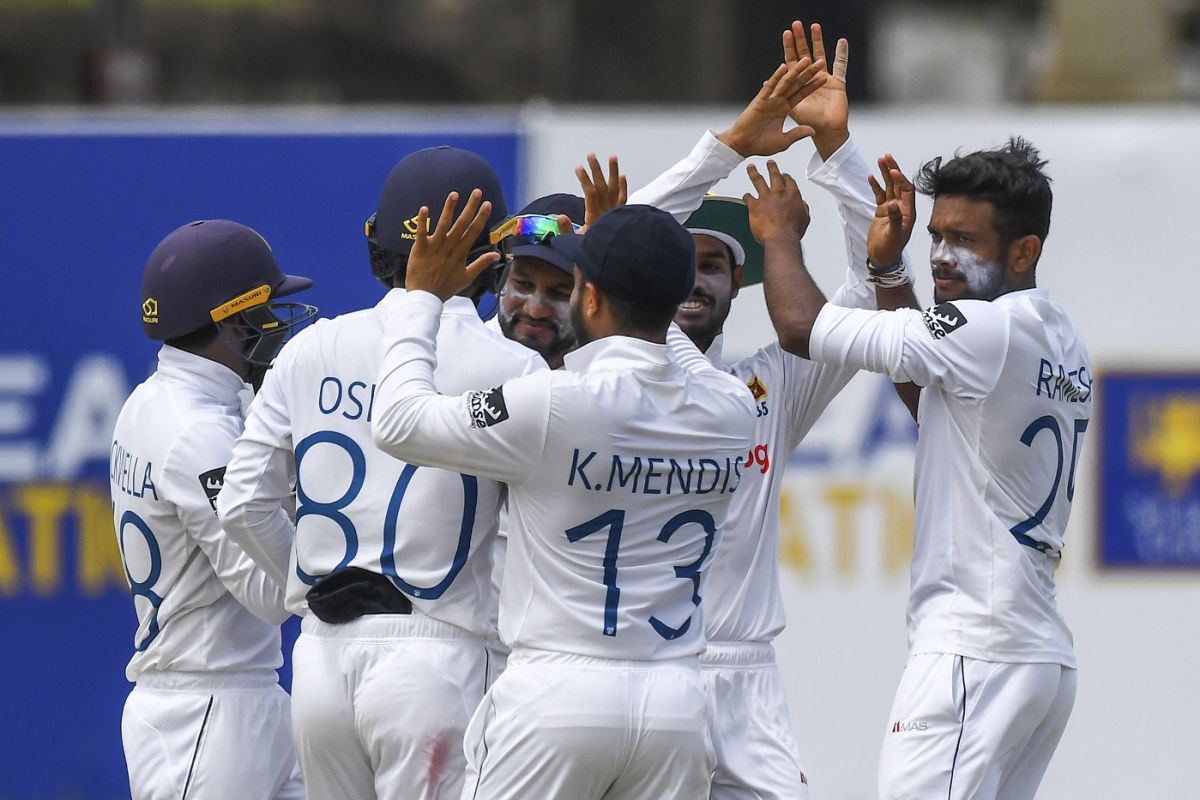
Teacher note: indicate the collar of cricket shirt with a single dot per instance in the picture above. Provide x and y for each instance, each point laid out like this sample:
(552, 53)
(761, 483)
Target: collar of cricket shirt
(215, 380)
(713, 353)
(618, 353)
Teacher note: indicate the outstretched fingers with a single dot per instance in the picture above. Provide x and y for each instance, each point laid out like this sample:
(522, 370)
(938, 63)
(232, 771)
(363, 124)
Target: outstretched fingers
(877, 190)
(804, 87)
(468, 219)
(795, 43)
(757, 180)
(818, 42)
(770, 84)
(841, 59)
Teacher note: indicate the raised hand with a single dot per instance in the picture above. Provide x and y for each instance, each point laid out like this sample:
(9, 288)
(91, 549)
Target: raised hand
(601, 194)
(826, 110)
(758, 130)
(895, 213)
(778, 212)
(436, 263)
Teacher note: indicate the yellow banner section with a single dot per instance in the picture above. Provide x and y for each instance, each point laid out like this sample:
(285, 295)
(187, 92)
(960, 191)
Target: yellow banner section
(844, 528)
(69, 537)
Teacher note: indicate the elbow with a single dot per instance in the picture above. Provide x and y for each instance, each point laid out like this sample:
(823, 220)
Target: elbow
(385, 433)
(274, 615)
(794, 338)
(233, 514)
(229, 512)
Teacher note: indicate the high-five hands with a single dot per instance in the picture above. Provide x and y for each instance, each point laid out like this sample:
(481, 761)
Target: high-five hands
(895, 213)
(826, 109)
(758, 130)
(777, 210)
(436, 263)
(600, 194)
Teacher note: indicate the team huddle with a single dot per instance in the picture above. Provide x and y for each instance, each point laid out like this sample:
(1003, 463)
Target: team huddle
(536, 557)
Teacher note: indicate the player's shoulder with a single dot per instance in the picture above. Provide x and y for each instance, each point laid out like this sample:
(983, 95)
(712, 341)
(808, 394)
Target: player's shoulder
(767, 363)
(489, 350)
(199, 446)
(331, 327)
(967, 322)
(734, 394)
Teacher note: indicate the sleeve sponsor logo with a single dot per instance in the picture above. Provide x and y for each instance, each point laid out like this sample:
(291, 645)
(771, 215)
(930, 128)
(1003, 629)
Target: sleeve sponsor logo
(150, 310)
(943, 320)
(487, 408)
(757, 388)
(211, 482)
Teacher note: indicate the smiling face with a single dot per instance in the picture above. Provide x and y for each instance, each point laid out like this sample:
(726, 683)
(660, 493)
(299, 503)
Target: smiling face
(703, 314)
(535, 308)
(965, 253)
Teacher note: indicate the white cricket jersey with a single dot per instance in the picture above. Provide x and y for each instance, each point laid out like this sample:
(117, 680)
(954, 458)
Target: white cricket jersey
(620, 469)
(428, 530)
(202, 604)
(1006, 402)
(743, 603)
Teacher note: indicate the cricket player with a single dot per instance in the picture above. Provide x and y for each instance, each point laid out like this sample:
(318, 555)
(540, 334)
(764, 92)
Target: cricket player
(389, 562)
(1003, 410)
(620, 469)
(535, 295)
(758, 755)
(207, 717)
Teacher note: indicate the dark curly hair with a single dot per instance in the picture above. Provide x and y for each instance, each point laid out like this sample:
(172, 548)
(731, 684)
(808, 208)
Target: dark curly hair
(1009, 177)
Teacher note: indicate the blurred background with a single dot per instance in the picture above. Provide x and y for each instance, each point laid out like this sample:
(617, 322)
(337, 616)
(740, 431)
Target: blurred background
(120, 120)
(173, 52)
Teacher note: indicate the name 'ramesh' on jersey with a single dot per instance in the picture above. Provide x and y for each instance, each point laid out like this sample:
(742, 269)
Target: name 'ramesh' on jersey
(620, 470)
(428, 530)
(1005, 406)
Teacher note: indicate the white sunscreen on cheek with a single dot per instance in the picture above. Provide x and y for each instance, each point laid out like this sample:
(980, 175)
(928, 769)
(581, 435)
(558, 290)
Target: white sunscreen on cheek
(978, 273)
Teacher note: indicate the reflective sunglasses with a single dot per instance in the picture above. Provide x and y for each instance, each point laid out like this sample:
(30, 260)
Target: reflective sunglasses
(529, 229)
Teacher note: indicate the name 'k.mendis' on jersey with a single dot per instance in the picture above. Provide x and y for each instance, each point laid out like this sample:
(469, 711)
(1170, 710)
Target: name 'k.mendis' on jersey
(620, 470)
(356, 505)
(1003, 415)
(194, 590)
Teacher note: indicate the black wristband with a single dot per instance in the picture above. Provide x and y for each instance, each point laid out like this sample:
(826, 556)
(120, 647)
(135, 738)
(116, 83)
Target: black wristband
(888, 270)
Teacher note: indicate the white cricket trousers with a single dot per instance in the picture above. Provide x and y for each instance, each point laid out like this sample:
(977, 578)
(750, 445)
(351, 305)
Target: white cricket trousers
(568, 727)
(209, 736)
(964, 729)
(380, 706)
(752, 730)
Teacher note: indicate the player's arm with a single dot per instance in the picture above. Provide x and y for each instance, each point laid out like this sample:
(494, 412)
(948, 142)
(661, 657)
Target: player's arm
(258, 481)
(193, 474)
(837, 166)
(757, 131)
(499, 433)
(890, 229)
(906, 344)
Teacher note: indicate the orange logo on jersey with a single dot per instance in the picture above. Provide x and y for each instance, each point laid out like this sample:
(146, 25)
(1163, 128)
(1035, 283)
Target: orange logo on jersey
(756, 388)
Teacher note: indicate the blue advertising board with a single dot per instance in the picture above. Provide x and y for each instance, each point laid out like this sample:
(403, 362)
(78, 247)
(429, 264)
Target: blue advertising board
(1149, 490)
(79, 213)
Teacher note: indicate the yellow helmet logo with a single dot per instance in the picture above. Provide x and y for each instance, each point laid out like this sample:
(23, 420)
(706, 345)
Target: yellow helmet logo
(411, 225)
(150, 310)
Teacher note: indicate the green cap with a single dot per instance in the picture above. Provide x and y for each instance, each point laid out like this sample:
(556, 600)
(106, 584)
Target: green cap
(728, 220)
